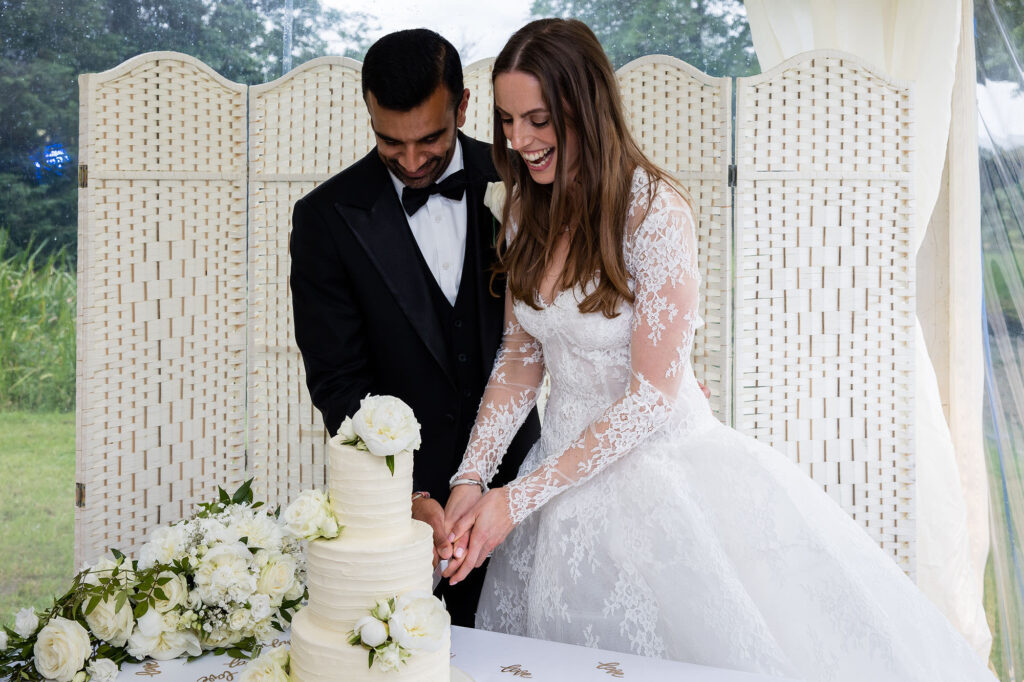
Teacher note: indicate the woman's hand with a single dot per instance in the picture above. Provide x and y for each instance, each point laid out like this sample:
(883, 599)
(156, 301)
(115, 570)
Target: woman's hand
(461, 500)
(486, 526)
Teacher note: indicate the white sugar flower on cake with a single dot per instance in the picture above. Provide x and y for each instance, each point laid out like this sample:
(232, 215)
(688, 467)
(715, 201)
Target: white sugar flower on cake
(383, 426)
(419, 622)
(400, 627)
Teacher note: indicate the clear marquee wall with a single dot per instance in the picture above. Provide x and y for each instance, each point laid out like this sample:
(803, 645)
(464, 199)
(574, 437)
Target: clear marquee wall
(188, 374)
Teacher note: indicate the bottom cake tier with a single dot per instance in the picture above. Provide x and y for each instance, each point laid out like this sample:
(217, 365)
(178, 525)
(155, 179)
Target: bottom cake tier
(322, 655)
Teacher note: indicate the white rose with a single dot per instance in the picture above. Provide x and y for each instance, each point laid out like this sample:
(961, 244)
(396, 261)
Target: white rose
(419, 622)
(387, 425)
(104, 568)
(239, 619)
(347, 432)
(102, 670)
(61, 649)
(371, 631)
(215, 532)
(108, 625)
(223, 574)
(162, 646)
(165, 544)
(26, 622)
(277, 578)
(267, 667)
(310, 516)
(259, 604)
(390, 658)
(176, 591)
(298, 588)
(3, 640)
(494, 198)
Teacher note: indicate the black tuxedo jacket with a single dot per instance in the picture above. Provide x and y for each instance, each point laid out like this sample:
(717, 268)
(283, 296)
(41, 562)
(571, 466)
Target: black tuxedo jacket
(364, 319)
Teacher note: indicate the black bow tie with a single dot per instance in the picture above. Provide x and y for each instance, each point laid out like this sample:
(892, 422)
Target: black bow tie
(452, 187)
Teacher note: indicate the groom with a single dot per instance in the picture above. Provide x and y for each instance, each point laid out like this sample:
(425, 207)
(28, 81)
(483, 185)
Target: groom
(390, 276)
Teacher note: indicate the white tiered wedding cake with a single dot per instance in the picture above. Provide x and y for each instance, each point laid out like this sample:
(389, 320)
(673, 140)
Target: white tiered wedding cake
(381, 554)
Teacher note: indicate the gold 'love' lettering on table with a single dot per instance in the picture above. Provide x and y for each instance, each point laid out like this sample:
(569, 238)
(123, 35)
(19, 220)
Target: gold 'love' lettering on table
(226, 675)
(516, 670)
(236, 663)
(150, 669)
(612, 669)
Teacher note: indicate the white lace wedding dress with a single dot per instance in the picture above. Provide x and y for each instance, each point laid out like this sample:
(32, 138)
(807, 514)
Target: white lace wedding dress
(648, 527)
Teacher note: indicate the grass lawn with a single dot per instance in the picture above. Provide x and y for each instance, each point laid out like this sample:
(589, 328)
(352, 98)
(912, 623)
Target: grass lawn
(37, 508)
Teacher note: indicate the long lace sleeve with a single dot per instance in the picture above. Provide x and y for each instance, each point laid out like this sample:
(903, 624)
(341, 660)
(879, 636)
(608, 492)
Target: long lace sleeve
(510, 394)
(662, 260)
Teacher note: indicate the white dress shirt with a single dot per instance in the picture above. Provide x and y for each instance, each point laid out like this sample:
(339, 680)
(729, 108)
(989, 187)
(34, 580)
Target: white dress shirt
(440, 231)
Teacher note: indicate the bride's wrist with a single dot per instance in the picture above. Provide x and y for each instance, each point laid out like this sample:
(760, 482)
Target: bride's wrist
(469, 478)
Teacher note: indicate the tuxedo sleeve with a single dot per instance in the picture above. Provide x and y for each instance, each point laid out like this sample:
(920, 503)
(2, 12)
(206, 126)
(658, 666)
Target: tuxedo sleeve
(328, 324)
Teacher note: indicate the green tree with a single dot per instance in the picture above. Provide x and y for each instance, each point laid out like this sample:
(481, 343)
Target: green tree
(45, 44)
(712, 35)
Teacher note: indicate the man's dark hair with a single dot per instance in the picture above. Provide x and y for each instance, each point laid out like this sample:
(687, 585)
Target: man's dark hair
(403, 69)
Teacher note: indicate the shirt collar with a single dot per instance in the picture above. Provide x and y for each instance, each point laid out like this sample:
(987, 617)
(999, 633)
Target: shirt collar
(456, 164)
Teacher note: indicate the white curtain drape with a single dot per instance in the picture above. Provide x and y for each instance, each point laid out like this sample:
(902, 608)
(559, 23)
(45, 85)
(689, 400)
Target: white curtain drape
(915, 40)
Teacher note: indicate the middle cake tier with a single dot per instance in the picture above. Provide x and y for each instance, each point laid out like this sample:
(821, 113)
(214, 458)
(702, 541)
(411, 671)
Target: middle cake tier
(347, 575)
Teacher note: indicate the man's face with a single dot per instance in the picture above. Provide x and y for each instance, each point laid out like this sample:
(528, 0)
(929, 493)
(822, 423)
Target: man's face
(418, 144)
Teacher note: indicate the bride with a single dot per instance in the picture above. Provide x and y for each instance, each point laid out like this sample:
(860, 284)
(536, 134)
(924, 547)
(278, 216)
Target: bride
(638, 522)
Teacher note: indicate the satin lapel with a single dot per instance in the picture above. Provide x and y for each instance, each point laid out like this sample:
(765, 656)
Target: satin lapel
(384, 234)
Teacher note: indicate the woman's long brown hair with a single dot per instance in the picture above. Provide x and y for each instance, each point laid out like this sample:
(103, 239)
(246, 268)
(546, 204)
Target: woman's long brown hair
(582, 95)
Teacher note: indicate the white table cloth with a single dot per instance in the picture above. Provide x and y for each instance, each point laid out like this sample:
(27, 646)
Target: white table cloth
(486, 657)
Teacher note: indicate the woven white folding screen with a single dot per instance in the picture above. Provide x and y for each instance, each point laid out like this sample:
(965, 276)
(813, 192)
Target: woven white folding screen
(681, 118)
(161, 296)
(303, 128)
(824, 292)
(186, 327)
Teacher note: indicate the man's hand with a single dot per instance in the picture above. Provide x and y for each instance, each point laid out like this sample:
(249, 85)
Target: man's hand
(429, 511)
(487, 525)
(462, 499)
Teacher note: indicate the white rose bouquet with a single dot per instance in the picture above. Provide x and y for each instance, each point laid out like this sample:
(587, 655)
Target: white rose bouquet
(224, 580)
(399, 627)
(384, 426)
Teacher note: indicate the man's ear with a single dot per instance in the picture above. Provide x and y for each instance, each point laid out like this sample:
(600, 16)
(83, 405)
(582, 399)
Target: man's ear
(460, 117)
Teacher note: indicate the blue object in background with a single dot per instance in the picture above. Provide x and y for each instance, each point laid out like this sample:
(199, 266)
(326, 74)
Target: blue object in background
(50, 161)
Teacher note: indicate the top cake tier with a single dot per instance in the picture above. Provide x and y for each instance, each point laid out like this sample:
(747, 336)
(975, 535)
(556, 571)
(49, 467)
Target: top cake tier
(367, 499)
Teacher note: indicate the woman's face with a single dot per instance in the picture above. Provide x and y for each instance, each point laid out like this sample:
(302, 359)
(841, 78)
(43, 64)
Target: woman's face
(526, 122)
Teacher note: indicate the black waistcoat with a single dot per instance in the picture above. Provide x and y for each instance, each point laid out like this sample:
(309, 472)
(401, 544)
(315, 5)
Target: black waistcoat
(460, 324)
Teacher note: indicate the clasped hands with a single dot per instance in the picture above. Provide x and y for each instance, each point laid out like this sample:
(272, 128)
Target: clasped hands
(467, 529)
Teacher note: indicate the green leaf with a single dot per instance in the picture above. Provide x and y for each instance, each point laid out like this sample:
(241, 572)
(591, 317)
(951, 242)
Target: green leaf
(117, 554)
(223, 495)
(93, 603)
(160, 594)
(122, 597)
(391, 463)
(164, 580)
(244, 494)
(141, 608)
(372, 654)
